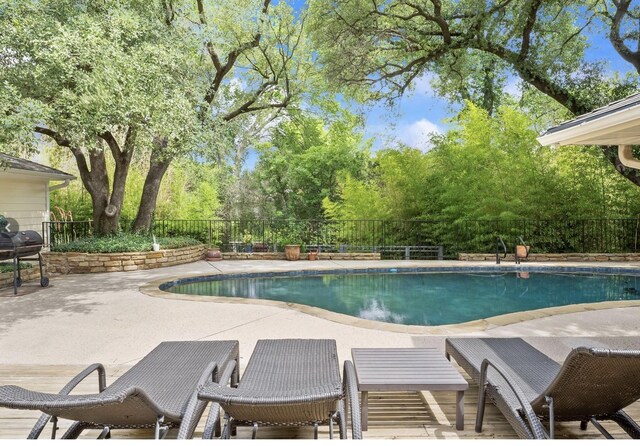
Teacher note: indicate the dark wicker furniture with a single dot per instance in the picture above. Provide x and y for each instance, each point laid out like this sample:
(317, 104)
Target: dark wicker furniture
(528, 387)
(157, 392)
(291, 382)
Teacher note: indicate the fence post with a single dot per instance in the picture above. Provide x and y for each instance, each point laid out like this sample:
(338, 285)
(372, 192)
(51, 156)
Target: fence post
(45, 234)
(440, 252)
(407, 253)
(384, 241)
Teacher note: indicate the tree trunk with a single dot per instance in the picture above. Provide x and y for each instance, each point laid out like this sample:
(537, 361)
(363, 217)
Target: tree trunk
(103, 222)
(157, 169)
(106, 214)
(107, 201)
(611, 153)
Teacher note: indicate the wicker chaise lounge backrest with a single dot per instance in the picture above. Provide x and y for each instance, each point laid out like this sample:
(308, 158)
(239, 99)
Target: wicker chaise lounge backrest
(287, 382)
(593, 381)
(592, 384)
(160, 384)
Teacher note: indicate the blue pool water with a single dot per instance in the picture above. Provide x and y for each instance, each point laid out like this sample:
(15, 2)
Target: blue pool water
(425, 298)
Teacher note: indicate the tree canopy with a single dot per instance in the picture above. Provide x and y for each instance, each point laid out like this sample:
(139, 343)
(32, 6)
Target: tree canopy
(154, 80)
(161, 105)
(377, 49)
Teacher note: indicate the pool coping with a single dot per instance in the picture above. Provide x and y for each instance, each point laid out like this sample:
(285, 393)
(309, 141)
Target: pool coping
(156, 289)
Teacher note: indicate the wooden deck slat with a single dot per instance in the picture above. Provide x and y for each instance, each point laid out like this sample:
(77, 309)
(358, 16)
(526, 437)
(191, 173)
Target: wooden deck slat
(394, 414)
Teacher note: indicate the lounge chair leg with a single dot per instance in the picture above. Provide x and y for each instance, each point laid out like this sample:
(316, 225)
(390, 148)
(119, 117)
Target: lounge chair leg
(74, 431)
(331, 419)
(341, 417)
(104, 434)
(54, 421)
(552, 429)
(217, 430)
(482, 396)
(601, 428)
(161, 432)
(627, 424)
(226, 430)
(315, 431)
(583, 425)
(254, 434)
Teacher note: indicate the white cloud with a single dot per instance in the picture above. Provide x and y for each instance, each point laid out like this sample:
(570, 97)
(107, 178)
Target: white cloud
(417, 134)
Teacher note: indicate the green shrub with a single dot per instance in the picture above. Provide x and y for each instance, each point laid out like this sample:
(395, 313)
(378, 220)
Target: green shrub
(123, 243)
(6, 267)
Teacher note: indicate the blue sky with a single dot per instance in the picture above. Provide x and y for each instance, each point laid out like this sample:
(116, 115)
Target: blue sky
(422, 112)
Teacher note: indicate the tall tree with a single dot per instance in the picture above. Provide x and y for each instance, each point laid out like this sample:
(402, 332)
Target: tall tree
(306, 158)
(136, 78)
(97, 78)
(260, 46)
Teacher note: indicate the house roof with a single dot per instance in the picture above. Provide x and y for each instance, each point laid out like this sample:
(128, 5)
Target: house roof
(29, 167)
(614, 124)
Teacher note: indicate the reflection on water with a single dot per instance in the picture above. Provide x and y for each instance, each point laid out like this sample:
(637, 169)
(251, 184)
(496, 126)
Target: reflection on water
(426, 298)
(376, 311)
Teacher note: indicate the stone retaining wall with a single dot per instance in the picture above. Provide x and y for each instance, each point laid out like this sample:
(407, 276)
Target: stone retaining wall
(568, 257)
(6, 279)
(79, 263)
(303, 256)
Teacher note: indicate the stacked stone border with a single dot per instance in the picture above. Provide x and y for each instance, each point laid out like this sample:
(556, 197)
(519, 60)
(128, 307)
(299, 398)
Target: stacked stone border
(568, 257)
(6, 279)
(80, 263)
(303, 256)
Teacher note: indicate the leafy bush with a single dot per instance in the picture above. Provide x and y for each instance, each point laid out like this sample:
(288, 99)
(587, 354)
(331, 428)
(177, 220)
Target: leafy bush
(6, 267)
(123, 243)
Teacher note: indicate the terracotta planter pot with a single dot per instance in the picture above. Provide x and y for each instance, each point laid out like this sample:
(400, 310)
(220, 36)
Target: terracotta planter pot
(313, 256)
(292, 252)
(214, 255)
(522, 251)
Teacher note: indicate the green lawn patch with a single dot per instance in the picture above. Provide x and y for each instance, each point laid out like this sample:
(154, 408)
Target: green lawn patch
(123, 243)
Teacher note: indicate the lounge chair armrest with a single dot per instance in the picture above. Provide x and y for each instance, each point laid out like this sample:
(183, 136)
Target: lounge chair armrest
(195, 407)
(229, 395)
(536, 426)
(102, 379)
(351, 392)
(102, 384)
(212, 425)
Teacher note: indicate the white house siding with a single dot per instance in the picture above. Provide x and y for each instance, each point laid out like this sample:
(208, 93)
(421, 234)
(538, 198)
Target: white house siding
(24, 198)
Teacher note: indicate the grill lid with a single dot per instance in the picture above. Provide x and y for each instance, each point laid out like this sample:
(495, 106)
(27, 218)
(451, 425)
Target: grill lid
(20, 244)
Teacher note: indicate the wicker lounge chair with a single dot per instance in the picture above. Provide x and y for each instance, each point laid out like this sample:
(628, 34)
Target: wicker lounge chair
(528, 387)
(156, 392)
(291, 382)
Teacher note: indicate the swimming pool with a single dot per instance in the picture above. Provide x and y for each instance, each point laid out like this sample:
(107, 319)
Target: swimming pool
(419, 298)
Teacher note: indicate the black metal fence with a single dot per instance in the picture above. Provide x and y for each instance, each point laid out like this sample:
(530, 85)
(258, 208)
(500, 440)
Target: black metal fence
(554, 236)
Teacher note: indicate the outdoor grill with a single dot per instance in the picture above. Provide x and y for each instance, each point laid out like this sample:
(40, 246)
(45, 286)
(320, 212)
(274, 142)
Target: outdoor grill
(22, 245)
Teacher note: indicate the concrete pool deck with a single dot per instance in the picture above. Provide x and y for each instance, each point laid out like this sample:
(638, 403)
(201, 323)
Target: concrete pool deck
(48, 335)
(105, 317)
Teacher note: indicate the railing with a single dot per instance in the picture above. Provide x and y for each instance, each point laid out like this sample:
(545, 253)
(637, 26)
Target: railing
(500, 243)
(585, 235)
